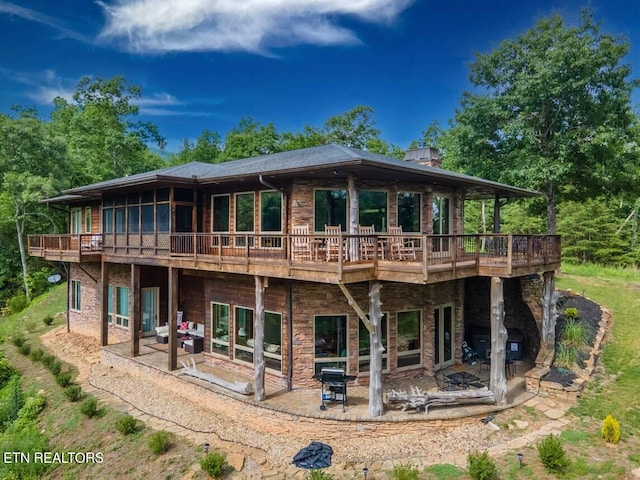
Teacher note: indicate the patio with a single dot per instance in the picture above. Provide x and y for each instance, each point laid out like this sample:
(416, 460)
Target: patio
(303, 402)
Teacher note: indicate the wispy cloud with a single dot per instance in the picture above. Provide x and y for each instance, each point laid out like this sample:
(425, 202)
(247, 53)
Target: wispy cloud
(156, 26)
(43, 86)
(42, 18)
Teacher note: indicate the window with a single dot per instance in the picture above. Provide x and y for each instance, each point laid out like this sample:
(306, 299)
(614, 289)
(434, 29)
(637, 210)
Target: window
(220, 213)
(107, 220)
(364, 346)
(220, 328)
(271, 211)
(441, 215)
(76, 295)
(330, 334)
(409, 339)
(122, 306)
(110, 303)
(120, 220)
(329, 208)
(244, 216)
(162, 217)
(147, 219)
(76, 221)
(134, 219)
(372, 208)
(87, 220)
(273, 340)
(409, 211)
(244, 334)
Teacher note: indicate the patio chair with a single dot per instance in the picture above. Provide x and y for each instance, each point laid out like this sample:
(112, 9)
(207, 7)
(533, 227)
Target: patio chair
(301, 243)
(334, 242)
(367, 242)
(401, 247)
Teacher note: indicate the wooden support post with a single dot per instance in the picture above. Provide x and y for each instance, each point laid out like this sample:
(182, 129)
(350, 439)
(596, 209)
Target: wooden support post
(104, 303)
(134, 310)
(258, 344)
(354, 218)
(548, 311)
(353, 304)
(376, 407)
(498, 381)
(173, 315)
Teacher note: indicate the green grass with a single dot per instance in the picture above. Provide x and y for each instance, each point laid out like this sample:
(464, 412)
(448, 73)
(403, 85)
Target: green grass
(619, 291)
(444, 471)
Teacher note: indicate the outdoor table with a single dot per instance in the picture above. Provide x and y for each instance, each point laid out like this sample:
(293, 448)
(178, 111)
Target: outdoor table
(463, 378)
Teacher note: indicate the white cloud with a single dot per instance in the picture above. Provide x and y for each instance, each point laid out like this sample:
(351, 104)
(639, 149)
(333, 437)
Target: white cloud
(43, 86)
(155, 26)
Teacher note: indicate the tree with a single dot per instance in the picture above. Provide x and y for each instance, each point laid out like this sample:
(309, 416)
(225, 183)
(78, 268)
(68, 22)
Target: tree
(103, 138)
(250, 139)
(208, 148)
(354, 128)
(555, 115)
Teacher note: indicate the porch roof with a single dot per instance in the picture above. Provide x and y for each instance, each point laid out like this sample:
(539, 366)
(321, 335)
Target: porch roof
(326, 161)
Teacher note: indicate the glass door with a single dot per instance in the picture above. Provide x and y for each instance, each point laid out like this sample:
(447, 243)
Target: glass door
(441, 208)
(444, 338)
(150, 298)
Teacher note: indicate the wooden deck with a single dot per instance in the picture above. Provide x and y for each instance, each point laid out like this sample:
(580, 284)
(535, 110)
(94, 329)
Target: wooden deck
(423, 258)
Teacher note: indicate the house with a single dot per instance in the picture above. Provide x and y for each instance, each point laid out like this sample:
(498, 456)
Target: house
(277, 263)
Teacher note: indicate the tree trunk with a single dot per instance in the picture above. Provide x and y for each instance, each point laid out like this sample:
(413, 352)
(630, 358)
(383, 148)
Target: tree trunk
(498, 381)
(354, 218)
(376, 349)
(548, 311)
(23, 258)
(258, 341)
(551, 209)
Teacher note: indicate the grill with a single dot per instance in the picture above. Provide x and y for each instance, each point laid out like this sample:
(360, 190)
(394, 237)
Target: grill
(334, 386)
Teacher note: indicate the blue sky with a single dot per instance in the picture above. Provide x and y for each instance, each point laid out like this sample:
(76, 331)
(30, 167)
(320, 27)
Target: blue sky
(205, 64)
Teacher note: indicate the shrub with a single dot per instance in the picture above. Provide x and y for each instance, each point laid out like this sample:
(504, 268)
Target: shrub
(159, 442)
(127, 425)
(32, 408)
(36, 355)
(610, 430)
(48, 320)
(73, 393)
(566, 357)
(17, 303)
(214, 464)
(404, 472)
(316, 474)
(89, 407)
(575, 334)
(18, 339)
(571, 313)
(64, 378)
(6, 370)
(55, 367)
(24, 349)
(480, 466)
(552, 454)
(31, 325)
(12, 403)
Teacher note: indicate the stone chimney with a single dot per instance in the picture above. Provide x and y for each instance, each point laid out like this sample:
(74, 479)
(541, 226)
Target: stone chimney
(427, 156)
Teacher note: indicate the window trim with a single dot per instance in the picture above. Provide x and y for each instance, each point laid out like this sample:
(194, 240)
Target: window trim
(120, 318)
(76, 220)
(260, 201)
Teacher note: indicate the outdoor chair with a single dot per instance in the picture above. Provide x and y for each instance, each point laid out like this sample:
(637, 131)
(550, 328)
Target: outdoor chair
(367, 242)
(301, 243)
(401, 248)
(334, 242)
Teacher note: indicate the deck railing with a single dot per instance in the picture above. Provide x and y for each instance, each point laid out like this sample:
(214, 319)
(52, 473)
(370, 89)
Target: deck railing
(429, 250)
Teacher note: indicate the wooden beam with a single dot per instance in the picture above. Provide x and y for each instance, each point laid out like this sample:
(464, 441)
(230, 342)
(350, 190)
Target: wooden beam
(258, 344)
(498, 381)
(104, 304)
(173, 315)
(134, 310)
(376, 406)
(548, 311)
(353, 304)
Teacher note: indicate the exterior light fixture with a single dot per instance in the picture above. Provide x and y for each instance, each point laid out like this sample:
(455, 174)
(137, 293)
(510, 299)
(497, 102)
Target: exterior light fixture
(365, 472)
(206, 448)
(520, 459)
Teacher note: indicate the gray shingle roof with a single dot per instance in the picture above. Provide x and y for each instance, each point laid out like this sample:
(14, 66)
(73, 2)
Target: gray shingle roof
(296, 161)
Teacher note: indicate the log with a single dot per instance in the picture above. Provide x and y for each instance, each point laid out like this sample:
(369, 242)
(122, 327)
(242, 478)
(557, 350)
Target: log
(418, 399)
(239, 387)
(498, 381)
(376, 407)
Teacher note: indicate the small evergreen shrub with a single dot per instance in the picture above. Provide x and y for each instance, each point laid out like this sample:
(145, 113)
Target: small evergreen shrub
(159, 442)
(610, 430)
(64, 378)
(17, 303)
(552, 454)
(36, 355)
(48, 320)
(214, 464)
(317, 474)
(480, 466)
(32, 408)
(24, 349)
(571, 313)
(89, 407)
(73, 393)
(404, 472)
(127, 425)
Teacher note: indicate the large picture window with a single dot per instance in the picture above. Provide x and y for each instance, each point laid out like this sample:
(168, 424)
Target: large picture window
(329, 208)
(244, 334)
(220, 213)
(87, 220)
(244, 204)
(409, 338)
(330, 333)
(364, 346)
(220, 329)
(372, 207)
(271, 211)
(409, 205)
(76, 295)
(273, 341)
(76, 221)
(122, 306)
